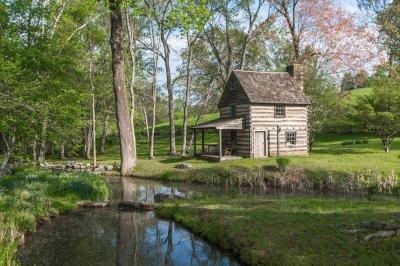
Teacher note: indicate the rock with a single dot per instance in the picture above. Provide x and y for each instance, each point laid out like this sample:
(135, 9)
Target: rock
(131, 206)
(165, 197)
(183, 166)
(109, 167)
(382, 234)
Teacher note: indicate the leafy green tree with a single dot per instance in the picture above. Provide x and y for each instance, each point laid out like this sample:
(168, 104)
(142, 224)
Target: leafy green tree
(379, 113)
(348, 82)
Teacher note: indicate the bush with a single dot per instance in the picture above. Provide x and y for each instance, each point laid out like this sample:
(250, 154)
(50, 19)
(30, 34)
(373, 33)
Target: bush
(358, 141)
(283, 163)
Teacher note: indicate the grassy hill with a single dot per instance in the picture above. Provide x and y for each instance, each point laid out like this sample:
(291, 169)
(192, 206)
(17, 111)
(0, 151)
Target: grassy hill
(355, 94)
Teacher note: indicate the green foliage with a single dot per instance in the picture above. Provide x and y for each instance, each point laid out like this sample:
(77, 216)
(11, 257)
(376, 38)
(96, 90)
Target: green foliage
(283, 163)
(29, 195)
(379, 113)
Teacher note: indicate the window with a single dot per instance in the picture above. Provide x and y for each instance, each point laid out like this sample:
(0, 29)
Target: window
(291, 137)
(280, 111)
(233, 110)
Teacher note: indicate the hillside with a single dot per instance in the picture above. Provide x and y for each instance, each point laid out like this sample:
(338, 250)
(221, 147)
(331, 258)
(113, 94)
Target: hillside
(355, 94)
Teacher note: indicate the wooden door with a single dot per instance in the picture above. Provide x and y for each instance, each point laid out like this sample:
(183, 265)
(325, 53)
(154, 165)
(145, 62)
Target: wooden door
(259, 144)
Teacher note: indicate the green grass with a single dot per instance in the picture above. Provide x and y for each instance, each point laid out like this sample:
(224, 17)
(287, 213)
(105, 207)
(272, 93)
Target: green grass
(355, 94)
(292, 230)
(29, 195)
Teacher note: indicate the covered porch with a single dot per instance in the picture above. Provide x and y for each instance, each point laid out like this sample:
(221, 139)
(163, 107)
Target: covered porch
(220, 151)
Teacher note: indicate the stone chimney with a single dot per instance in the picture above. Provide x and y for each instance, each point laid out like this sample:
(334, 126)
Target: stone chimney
(297, 71)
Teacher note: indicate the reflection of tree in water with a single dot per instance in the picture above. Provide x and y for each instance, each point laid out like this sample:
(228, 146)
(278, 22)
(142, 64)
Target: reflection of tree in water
(146, 240)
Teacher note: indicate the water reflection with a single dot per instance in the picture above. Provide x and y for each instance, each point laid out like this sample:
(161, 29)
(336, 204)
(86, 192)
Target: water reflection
(110, 237)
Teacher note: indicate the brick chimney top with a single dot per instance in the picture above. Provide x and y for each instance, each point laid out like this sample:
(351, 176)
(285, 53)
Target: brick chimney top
(297, 71)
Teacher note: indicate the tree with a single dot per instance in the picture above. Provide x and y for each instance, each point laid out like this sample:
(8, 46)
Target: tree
(379, 113)
(361, 78)
(190, 17)
(323, 31)
(325, 103)
(128, 157)
(386, 17)
(160, 11)
(348, 82)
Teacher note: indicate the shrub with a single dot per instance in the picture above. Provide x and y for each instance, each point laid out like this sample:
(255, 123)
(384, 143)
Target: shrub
(283, 163)
(365, 141)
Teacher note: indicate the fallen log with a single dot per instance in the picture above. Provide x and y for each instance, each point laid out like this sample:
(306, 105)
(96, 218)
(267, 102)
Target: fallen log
(136, 206)
(160, 197)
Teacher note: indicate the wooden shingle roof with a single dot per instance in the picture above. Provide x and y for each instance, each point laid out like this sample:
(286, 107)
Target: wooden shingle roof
(262, 87)
(222, 123)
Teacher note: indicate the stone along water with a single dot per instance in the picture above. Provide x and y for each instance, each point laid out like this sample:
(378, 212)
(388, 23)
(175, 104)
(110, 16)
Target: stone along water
(112, 237)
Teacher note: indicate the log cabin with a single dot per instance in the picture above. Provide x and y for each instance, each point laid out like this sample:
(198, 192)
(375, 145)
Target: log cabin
(262, 114)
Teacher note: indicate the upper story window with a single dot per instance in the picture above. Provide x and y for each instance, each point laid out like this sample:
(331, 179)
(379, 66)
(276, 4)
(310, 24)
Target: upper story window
(291, 138)
(233, 110)
(280, 111)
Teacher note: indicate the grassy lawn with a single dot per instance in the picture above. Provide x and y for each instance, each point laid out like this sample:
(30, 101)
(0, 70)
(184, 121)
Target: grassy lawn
(328, 154)
(28, 196)
(292, 230)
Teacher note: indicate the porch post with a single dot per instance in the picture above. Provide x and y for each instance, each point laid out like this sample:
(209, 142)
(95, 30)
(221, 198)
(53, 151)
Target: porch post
(220, 144)
(278, 129)
(202, 141)
(194, 142)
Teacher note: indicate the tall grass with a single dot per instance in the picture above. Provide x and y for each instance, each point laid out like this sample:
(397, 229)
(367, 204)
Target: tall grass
(29, 195)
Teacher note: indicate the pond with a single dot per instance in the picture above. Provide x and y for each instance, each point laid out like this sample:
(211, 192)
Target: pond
(113, 237)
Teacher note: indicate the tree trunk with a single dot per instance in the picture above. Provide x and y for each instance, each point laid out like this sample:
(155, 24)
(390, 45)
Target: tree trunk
(128, 157)
(132, 51)
(145, 118)
(386, 141)
(34, 148)
(187, 95)
(200, 115)
(153, 94)
(7, 150)
(104, 133)
(93, 107)
(62, 150)
(42, 148)
(172, 144)
(88, 141)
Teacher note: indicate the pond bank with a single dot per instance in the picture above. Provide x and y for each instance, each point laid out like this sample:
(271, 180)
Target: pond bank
(292, 230)
(295, 178)
(31, 196)
(112, 236)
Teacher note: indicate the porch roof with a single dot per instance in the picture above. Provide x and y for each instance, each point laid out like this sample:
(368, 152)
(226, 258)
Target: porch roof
(222, 123)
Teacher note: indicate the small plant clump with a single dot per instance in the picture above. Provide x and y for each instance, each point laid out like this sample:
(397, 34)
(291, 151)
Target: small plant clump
(283, 163)
(357, 142)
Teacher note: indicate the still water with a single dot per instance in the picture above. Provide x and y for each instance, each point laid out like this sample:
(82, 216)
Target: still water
(112, 237)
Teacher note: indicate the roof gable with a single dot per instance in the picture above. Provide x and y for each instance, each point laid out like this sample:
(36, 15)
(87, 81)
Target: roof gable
(265, 88)
(233, 93)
